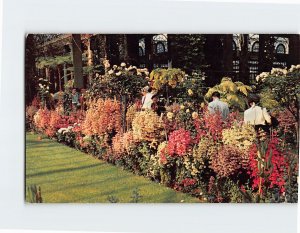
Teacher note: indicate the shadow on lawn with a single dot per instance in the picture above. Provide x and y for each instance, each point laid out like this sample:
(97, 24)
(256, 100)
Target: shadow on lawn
(63, 170)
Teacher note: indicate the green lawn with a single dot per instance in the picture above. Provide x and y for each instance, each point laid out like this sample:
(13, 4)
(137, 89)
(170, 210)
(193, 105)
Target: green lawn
(67, 175)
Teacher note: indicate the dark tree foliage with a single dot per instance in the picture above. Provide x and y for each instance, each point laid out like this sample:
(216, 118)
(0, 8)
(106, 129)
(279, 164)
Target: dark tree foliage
(32, 52)
(186, 51)
(266, 52)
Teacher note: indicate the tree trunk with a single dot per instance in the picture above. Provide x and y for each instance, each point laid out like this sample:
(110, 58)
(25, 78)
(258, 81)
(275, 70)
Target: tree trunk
(59, 78)
(244, 68)
(77, 60)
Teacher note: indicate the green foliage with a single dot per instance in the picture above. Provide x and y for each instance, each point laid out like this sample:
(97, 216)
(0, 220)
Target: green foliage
(283, 86)
(52, 62)
(187, 51)
(119, 81)
(233, 93)
(161, 78)
(112, 199)
(192, 89)
(267, 100)
(43, 90)
(136, 196)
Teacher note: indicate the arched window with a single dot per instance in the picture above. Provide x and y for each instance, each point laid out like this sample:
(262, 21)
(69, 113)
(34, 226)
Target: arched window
(160, 43)
(160, 48)
(255, 47)
(280, 49)
(141, 51)
(142, 47)
(233, 45)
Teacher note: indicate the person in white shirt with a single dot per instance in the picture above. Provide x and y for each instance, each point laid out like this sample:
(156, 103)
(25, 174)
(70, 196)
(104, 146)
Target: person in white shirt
(256, 115)
(147, 99)
(218, 106)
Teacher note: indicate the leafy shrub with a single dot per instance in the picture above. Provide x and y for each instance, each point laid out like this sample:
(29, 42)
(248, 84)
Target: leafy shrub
(227, 161)
(148, 126)
(102, 117)
(233, 93)
(179, 142)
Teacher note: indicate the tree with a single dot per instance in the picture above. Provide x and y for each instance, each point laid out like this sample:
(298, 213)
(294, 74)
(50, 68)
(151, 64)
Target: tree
(186, 51)
(77, 60)
(244, 68)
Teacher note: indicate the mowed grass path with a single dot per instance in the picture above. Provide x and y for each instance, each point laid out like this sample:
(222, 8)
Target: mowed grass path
(68, 175)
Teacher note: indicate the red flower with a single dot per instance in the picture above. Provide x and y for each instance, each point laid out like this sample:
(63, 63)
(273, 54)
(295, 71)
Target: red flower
(179, 142)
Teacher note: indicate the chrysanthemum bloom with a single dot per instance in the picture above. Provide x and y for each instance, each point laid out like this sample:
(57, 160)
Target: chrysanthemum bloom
(195, 115)
(170, 115)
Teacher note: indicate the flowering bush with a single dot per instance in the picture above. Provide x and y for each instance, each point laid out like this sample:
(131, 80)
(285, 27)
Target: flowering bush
(209, 125)
(147, 126)
(227, 161)
(204, 151)
(29, 114)
(41, 119)
(179, 142)
(130, 114)
(267, 166)
(102, 117)
(118, 81)
(117, 145)
(242, 137)
(123, 143)
(162, 77)
(284, 86)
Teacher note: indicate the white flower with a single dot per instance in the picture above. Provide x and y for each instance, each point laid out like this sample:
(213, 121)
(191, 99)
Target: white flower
(203, 78)
(115, 67)
(106, 63)
(119, 73)
(41, 86)
(123, 64)
(48, 88)
(61, 130)
(110, 72)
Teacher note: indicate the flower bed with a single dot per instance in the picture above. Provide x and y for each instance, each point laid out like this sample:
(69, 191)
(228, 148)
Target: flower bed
(185, 147)
(209, 159)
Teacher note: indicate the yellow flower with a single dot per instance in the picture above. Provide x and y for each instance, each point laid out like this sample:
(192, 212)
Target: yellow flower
(187, 111)
(170, 115)
(202, 105)
(182, 107)
(194, 115)
(190, 92)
